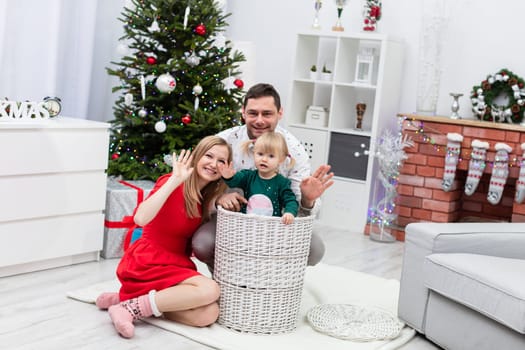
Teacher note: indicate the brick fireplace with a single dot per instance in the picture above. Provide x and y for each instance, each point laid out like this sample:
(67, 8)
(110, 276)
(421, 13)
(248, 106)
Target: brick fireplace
(420, 194)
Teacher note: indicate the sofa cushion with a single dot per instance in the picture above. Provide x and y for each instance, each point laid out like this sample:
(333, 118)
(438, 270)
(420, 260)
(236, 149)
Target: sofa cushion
(493, 286)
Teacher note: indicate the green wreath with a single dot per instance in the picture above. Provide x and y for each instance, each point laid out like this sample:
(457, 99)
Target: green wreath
(505, 83)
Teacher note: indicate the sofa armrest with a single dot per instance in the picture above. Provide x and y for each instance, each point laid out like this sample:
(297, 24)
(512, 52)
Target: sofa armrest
(422, 239)
(506, 240)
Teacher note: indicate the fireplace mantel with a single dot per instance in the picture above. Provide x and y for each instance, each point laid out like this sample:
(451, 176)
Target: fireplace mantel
(421, 197)
(464, 122)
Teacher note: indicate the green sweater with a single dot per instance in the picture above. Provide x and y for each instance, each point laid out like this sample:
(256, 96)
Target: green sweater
(265, 196)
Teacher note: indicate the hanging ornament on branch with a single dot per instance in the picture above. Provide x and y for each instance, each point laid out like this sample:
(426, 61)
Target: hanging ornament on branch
(238, 83)
(154, 26)
(143, 112)
(166, 83)
(219, 41)
(128, 99)
(197, 90)
(191, 59)
(200, 29)
(151, 60)
(228, 83)
(186, 119)
(186, 15)
(160, 126)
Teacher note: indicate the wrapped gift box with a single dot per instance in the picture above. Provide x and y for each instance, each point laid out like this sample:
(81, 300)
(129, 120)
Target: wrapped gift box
(122, 197)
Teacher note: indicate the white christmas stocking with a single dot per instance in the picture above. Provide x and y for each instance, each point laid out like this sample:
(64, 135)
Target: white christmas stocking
(451, 160)
(476, 165)
(520, 184)
(500, 172)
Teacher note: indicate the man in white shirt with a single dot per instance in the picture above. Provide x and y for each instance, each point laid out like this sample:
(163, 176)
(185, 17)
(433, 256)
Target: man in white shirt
(261, 112)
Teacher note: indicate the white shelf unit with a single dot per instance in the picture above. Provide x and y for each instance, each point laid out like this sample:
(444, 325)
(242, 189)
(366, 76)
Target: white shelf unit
(346, 203)
(53, 185)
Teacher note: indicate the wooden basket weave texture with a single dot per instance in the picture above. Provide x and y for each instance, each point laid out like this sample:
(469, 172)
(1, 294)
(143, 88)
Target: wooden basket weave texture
(260, 265)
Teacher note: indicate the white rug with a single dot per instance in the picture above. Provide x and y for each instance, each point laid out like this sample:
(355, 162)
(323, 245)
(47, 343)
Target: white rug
(324, 284)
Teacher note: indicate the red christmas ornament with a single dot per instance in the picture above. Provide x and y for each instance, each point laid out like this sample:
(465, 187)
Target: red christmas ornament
(151, 60)
(186, 119)
(115, 156)
(200, 29)
(239, 83)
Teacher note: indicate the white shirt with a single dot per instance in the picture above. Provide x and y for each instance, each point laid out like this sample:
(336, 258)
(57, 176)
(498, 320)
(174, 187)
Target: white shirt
(238, 135)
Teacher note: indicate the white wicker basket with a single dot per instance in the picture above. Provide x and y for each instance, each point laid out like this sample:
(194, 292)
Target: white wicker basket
(260, 265)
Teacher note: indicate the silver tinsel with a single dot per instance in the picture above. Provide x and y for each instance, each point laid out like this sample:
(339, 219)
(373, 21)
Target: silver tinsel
(390, 155)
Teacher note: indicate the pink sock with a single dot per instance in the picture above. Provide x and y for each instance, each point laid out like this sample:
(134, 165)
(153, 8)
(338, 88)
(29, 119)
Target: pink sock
(105, 300)
(126, 312)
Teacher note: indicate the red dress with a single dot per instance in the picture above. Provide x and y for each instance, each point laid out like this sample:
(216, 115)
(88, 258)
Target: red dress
(160, 258)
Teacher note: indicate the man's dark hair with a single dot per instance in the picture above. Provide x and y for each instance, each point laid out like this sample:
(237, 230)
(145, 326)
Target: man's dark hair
(263, 90)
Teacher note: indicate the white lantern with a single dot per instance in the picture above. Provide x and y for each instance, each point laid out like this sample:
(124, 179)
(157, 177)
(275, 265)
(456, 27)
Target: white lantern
(366, 65)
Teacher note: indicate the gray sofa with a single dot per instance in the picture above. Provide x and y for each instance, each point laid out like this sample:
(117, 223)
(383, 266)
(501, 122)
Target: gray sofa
(463, 284)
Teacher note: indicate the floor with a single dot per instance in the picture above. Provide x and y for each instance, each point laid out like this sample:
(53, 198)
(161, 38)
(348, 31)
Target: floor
(36, 314)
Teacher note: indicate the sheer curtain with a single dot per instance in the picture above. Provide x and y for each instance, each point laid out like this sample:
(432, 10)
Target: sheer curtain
(60, 48)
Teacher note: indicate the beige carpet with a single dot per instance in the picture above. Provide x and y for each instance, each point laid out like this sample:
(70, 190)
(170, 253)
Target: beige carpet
(324, 284)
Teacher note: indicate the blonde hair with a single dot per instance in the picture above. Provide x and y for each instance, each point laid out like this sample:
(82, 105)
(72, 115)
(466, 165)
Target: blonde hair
(271, 142)
(192, 196)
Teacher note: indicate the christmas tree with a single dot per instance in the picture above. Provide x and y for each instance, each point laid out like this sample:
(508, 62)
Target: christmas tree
(178, 83)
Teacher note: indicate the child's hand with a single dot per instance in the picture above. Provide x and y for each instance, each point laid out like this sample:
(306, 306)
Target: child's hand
(287, 218)
(226, 170)
(181, 165)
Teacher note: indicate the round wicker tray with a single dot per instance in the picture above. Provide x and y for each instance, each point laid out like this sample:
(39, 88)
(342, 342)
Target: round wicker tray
(354, 322)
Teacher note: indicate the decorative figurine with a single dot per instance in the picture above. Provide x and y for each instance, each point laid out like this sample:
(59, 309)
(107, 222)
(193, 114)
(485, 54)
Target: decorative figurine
(360, 109)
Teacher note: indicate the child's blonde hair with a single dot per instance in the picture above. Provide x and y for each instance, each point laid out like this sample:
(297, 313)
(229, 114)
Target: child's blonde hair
(271, 142)
(192, 195)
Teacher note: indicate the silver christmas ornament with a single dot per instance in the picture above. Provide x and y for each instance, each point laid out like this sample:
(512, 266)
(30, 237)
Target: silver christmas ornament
(160, 126)
(197, 89)
(128, 99)
(193, 60)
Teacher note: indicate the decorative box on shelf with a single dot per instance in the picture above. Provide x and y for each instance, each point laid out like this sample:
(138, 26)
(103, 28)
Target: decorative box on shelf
(316, 116)
(122, 197)
(53, 182)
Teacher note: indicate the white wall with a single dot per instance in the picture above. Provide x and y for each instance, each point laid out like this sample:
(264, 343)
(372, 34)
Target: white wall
(50, 53)
(481, 37)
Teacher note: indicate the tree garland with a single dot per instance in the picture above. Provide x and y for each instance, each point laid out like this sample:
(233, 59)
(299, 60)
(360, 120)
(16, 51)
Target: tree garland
(503, 83)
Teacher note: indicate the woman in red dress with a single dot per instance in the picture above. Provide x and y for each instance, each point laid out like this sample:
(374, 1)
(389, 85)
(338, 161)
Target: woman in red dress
(156, 272)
